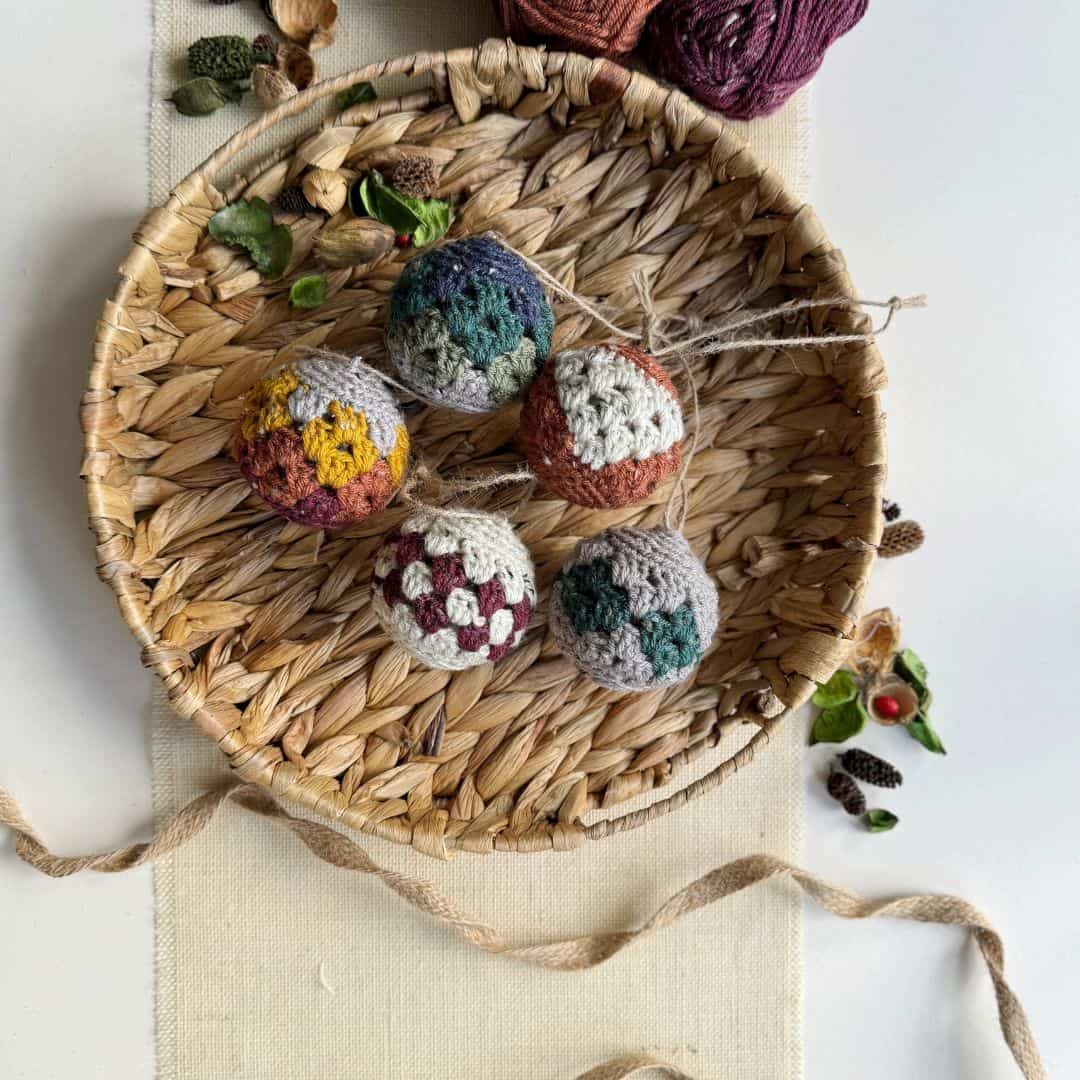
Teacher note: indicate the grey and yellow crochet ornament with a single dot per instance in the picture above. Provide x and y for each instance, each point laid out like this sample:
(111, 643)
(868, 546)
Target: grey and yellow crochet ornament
(634, 608)
(469, 326)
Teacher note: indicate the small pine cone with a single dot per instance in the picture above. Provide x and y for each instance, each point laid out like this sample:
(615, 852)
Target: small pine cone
(901, 539)
(890, 509)
(293, 201)
(846, 792)
(415, 177)
(264, 43)
(870, 769)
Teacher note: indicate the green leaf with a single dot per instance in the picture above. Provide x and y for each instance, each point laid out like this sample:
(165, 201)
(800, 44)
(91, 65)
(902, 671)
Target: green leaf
(880, 820)
(242, 218)
(308, 292)
(911, 669)
(839, 723)
(357, 94)
(201, 97)
(250, 225)
(840, 688)
(921, 731)
(424, 220)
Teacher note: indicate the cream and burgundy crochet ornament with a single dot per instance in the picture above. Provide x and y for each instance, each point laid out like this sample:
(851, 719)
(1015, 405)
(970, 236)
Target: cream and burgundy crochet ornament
(457, 588)
(634, 608)
(323, 441)
(602, 426)
(469, 325)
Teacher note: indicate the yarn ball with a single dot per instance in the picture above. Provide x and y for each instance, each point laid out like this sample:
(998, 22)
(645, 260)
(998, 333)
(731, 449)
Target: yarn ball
(456, 588)
(745, 58)
(594, 27)
(634, 609)
(469, 325)
(323, 442)
(602, 426)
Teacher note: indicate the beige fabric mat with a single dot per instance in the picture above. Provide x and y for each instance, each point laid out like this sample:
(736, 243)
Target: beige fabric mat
(273, 966)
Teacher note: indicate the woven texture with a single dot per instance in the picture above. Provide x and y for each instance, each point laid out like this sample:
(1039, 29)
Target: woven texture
(220, 901)
(264, 631)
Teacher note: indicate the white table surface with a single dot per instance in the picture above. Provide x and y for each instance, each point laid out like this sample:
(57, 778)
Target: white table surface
(945, 160)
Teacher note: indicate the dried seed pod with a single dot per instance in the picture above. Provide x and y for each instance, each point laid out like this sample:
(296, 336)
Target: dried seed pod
(890, 510)
(271, 86)
(293, 200)
(871, 769)
(415, 176)
(901, 538)
(296, 64)
(327, 189)
(266, 44)
(890, 700)
(310, 22)
(877, 642)
(846, 792)
(353, 242)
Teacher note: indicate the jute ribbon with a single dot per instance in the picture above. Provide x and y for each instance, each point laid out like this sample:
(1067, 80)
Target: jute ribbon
(572, 954)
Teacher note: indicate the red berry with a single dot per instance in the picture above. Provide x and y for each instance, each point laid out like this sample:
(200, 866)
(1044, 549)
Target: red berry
(886, 705)
(403, 241)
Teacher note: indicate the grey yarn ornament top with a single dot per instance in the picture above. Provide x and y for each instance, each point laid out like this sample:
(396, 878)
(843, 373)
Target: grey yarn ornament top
(634, 608)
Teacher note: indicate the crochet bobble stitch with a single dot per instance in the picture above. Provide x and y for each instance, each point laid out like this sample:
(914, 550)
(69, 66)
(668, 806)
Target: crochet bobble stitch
(634, 608)
(323, 442)
(456, 588)
(602, 426)
(469, 325)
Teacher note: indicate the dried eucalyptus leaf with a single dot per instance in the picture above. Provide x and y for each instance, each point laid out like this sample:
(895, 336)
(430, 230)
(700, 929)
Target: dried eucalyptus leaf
(423, 220)
(910, 668)
(358, 94)
(308, 292)
(840, 688)
(435, 221)
(250, 224)
(839, 723)
(200, 97)
(880, 820)
(921, 731)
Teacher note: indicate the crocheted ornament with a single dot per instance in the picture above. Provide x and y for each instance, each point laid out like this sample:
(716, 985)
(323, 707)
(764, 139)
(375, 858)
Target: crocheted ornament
(469, 325)
(456, 588)
(634, 608)
(602, 426)
(323, 442)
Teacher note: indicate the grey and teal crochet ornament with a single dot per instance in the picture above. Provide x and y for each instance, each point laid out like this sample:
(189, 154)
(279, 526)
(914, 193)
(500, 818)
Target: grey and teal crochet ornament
(635, 609)
(469, 326)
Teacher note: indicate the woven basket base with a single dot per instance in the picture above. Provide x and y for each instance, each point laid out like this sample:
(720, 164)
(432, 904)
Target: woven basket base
(262, 630)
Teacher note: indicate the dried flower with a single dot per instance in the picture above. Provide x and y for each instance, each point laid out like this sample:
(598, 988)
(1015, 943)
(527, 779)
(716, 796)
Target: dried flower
(415, 176)
(846, 792)
(870, 768)
(327, 189)
(877, 642)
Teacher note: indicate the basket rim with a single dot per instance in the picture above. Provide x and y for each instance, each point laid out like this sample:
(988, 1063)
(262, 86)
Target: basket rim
(600, 81)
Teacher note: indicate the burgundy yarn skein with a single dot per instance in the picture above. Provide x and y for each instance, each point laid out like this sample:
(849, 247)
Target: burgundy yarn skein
(745, 59)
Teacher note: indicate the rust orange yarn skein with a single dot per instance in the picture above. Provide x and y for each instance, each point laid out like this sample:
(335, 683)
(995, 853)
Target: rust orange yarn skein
(595, 27)
(602, 426)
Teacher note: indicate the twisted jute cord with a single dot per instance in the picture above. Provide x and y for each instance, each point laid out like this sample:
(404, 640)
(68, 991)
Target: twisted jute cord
(571, 954)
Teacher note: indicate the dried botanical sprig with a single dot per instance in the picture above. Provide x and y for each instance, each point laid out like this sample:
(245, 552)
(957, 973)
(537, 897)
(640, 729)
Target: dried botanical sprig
(846, 792)
(870, 769)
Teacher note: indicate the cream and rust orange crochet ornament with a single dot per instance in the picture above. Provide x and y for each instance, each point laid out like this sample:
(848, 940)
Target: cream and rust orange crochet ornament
(323, 441)
(602, 426)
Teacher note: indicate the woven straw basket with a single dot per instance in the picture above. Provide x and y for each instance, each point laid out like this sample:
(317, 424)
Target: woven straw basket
(262, 630)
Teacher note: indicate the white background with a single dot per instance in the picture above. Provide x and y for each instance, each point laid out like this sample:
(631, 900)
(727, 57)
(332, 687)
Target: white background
(945, 160)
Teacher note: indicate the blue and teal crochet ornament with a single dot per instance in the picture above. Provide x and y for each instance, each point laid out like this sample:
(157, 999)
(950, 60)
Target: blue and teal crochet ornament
(469, 325)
